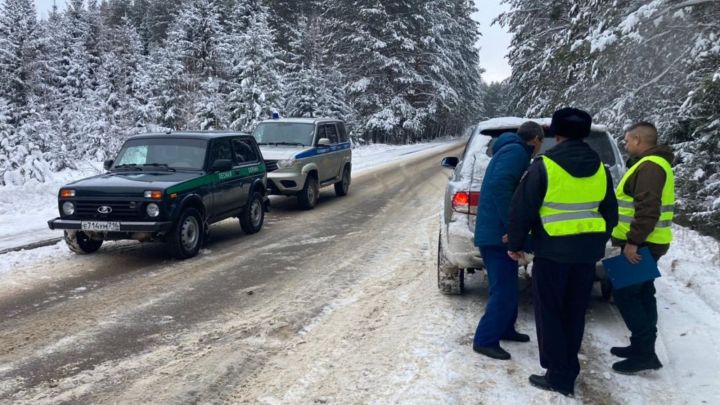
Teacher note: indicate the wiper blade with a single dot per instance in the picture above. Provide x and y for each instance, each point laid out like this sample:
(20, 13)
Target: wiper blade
(160, 166)
(132, 166)
(288, 144)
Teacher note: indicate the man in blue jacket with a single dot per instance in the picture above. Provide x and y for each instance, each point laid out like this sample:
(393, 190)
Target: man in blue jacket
(511, 158)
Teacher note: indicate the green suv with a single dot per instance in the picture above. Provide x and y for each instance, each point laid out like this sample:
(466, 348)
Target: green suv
(167, 187)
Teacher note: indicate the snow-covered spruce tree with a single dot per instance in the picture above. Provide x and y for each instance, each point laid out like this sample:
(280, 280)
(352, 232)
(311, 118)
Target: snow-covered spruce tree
(18, 56)
(452, 75)
(124, 90)
(313, 88)
(198, 41)
(255, 81)
(536, 54)
(21, 62)
(376, 49)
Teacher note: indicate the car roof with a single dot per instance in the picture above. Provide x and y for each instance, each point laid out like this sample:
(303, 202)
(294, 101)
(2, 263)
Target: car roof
(303, 120)
(497, 126)
(191, 134)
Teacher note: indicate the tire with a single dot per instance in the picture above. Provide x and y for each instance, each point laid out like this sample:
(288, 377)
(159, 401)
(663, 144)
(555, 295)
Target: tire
(253, 216)
(451, 280)
(186, 237)
(343, 187)
(308, 197)
(80, 243)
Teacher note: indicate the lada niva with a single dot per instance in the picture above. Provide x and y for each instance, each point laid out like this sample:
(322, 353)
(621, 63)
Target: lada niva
(167, 187)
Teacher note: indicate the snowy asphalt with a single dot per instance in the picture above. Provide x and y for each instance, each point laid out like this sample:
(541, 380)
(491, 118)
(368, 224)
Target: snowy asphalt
(335, 305)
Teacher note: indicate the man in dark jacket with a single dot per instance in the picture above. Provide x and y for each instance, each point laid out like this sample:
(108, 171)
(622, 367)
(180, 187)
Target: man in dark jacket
(567, 201)
(646, 195)
(511, 157)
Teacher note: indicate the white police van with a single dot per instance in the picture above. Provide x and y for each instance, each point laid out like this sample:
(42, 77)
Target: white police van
(303, 155)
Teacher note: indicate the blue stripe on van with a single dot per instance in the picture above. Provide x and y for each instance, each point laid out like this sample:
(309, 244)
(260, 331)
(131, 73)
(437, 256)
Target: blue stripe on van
(321, 150)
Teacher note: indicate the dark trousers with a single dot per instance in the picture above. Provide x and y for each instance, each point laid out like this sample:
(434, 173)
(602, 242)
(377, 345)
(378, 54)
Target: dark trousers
(502, 307)
(561, 295)
(638, 308)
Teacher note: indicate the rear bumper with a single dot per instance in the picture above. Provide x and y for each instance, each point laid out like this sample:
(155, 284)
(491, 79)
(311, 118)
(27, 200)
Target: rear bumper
(459, 247)
(76, 225)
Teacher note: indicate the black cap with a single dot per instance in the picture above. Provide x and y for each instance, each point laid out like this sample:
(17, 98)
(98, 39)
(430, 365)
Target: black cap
(571, 123)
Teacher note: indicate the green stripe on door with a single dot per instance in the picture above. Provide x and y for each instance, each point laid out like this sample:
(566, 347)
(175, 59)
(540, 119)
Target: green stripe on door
(216, 177)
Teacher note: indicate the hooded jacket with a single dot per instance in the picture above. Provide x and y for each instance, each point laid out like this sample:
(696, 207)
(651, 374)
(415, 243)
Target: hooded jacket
(578, 159)
(646, 187)
(511, 157)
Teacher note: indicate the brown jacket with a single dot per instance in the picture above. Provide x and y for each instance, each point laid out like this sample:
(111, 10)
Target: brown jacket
(646, 186)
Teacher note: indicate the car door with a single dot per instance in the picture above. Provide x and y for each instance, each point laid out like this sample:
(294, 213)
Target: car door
(247, 166)
(335, 160)
(226, 186)
(322, 158)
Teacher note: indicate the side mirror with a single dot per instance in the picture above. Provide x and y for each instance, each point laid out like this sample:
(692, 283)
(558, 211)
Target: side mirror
(108, 164)
(221, 165)
(450, 162)
(324, 142)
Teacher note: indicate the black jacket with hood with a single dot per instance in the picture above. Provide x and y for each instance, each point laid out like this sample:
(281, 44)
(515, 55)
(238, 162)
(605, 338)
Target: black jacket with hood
(578, 159)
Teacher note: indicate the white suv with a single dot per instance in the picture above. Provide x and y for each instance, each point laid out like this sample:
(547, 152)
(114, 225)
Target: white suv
(304, 154)
(456, 249)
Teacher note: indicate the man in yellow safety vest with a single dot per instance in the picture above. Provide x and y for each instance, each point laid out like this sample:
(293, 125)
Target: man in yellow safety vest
(646, 200)
(567, 201)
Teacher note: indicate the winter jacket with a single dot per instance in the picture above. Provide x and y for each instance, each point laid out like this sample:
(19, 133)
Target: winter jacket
(646, 187)
(578, 159)
(511, 157)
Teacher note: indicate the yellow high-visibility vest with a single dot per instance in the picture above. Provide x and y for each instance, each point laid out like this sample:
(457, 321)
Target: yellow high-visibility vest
(662, 234)
(572, 204)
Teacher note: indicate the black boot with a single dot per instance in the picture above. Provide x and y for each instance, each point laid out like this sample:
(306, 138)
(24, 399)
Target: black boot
(637, 364)
(539, 381)
(494, 352)
(624, 352)
(516, 336)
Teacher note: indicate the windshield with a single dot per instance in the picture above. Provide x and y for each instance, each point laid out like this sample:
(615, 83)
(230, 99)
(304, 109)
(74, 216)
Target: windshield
(162, 153)
(284, 133)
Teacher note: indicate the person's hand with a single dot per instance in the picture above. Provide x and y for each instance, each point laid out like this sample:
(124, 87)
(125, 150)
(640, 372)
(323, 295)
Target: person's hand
(630, 252)
(505, 238)
(517, 256)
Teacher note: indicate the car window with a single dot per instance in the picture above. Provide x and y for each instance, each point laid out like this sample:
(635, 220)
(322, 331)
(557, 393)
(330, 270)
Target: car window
(220, 150)
(320, 133)
(599, 141)
(343, 132)
(331, 133)
(244, 152)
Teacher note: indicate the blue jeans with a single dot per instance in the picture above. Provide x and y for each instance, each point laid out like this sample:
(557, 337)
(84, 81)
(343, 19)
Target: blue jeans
(502, 307)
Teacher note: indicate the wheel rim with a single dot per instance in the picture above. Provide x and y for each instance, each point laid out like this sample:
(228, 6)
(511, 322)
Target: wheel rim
(190, 233)
(256, 213)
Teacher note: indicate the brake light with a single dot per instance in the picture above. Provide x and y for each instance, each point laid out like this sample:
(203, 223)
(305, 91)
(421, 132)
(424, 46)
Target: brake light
(465, 202)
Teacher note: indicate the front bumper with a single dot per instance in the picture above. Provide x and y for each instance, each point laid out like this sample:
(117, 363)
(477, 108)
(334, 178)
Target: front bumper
(285, 182)
(125, 226)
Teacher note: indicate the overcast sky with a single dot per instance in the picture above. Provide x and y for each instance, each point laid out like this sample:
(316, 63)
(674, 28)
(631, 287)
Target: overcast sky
(493, 44)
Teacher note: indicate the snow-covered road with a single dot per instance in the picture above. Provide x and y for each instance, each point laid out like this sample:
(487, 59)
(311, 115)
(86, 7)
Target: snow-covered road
(336, 305)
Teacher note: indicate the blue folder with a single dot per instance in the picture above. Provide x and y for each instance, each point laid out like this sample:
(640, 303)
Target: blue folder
(623, 274)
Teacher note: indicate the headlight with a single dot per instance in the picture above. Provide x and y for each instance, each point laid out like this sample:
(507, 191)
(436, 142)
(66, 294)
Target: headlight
(153, 210)
(284, 164)
(68, 208)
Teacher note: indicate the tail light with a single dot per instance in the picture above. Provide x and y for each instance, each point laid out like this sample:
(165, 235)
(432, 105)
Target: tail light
(465, 202)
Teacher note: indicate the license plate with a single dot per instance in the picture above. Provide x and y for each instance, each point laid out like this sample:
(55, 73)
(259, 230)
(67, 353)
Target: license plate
(100, 226)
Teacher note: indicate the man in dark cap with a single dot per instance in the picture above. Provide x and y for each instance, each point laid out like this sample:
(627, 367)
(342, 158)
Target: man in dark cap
(567, 202)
